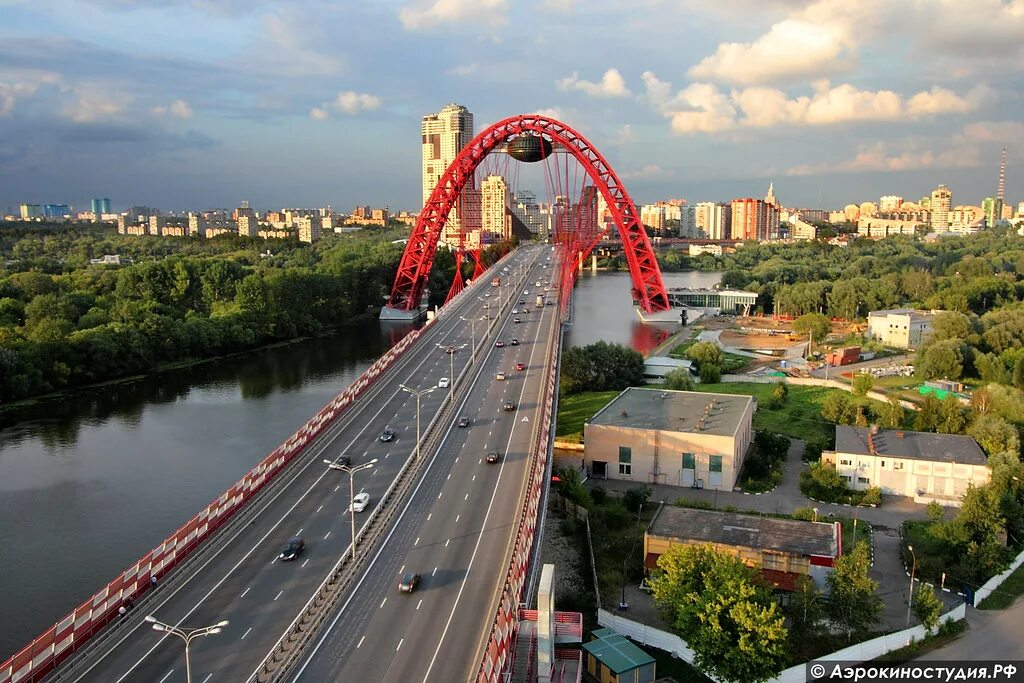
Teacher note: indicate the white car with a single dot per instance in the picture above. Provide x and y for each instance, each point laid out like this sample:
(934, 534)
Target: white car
(515, 310)
(500, 376)
(442, 383)
(359, 503)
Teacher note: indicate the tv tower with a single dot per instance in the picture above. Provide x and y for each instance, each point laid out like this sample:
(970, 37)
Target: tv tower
(1001, 187)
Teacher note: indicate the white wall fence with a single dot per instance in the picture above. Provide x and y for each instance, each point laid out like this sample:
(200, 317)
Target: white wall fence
(861, 652)
(989, 586)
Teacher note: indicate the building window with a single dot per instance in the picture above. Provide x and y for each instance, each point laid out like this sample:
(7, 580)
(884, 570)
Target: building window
(625, 468)
(625, 454)
(897, 466)
(715, 463)
(689, 462)
(845, 461)
(881, 464)
(863, 480)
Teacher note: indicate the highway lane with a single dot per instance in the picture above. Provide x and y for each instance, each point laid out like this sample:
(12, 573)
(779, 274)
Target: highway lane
(244, 582)
(456, 532)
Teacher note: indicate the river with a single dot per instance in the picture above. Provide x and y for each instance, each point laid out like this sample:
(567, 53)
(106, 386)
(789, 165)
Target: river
(91, 482)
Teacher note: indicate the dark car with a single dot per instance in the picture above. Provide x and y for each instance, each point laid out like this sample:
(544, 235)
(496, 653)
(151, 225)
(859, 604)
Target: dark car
(388, 434)
(509, 405)
(498, 344)
(516, 320)
(493, 457)
(515, 342)
(408, 583)
(463, 422)
(292, 548)
(522, 301)
(343, 461)
(520, 366)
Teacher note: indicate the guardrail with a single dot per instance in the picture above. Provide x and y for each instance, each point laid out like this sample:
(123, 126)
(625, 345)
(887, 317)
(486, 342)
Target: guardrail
(60, 641)
(503, 627)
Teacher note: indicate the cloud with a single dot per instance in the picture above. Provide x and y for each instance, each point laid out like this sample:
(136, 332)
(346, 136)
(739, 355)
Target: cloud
(318, 113)
(623, 136)
(352, 102)
(962, 150)
(648, 171)
(559, 6)
(703, 108)
(487, 12)
(819, 40)
(294, 35)
(612, 85)
(990, 28)
(181, 109)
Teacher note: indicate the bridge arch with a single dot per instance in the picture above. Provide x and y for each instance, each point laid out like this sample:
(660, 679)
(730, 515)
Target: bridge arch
(648, 287)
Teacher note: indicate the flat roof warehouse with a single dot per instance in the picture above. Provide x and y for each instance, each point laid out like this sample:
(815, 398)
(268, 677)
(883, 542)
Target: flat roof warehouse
(676, 411)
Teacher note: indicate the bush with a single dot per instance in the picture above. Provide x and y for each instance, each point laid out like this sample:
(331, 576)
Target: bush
(684, 502)
(598, 495)
(812, 451)
(873, 496)
(710, 374)
(679, 379)
(805, 514)
(635, 497)
(862, 383)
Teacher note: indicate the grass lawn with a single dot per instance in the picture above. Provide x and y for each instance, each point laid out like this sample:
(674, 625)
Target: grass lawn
(1009, 591)
(798, 418)
(574, 410)
(931, 562)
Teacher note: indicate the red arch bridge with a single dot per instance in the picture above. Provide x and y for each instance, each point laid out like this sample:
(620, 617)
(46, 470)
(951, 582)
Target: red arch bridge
(475, 380)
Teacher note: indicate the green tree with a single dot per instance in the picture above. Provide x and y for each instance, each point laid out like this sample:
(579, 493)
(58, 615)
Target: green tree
(1018, 373)
(942, 360)
(706, 353)
(710, 374)
(838, 408)
(994, 434)
(935, 511)
(817, 325)
(780, 392)
(927, 607)
(929, 414)
(806, 609)
(718, 605)
(679, 379)
(892, 414)
(635, 497)
(862, 383)
(952, 325)
(953, 417)
(853, 605)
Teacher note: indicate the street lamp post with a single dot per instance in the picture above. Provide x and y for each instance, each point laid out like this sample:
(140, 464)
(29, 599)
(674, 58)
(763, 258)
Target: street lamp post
(451, 350)
(351, 491)
(472, 337)
(417, 393)
(186, 635)
(913, 568)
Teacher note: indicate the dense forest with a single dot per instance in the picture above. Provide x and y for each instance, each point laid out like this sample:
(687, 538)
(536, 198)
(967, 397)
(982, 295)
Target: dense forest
(65, 322)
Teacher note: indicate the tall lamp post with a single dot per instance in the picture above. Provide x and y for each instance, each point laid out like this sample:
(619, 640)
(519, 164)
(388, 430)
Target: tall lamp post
(913, 568)
(472, 337)
(186, 634)
(451, 350)
(351, 491)
(417, 393)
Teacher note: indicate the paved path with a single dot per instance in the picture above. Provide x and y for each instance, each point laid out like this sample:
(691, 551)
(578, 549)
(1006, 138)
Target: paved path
(993, 635)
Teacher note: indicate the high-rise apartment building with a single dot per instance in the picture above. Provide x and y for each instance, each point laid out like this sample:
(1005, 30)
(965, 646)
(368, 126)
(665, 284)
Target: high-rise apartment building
(248, 226)
(688, 221)
(889, 203)
(444, 134)
(100, 207)
(753, 219)
(30, 211)
(653, 216)
(309, 228)
(529, 212)
(495, 224)
(939, 206)
(992, 210)
(712, 220)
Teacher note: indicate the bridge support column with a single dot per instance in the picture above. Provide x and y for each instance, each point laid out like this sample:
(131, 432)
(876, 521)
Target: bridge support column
(593, 263)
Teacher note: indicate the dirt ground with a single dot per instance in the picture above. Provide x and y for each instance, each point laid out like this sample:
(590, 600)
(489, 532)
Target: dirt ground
(753, 332)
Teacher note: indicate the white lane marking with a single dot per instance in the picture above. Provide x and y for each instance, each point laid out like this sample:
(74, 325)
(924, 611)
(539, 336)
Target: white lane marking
(361, 641)
(245, 591)
(387, 455)
(457, 457)
(406, 427)
(419, 603)
(467, 497)
(166, 675)
(274, 560)
(305, 562)
(447, 542)
(320, 508)
(429, 515)
(480, 461)
(439, 495)
(366, 453)
(490, 433)
(327, 536)
(246, 633)
(208, 677)
(474, 477)
(277, 596)
(400, 645)
(457, 517)
(402, 570)
(299, 532)
(449, 477)
(417, 541)
(375, 473)
(433, 572)
(337, 487)
(382, 603)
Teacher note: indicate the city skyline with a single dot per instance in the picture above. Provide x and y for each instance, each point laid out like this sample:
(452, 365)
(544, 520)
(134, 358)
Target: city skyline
(93, 103)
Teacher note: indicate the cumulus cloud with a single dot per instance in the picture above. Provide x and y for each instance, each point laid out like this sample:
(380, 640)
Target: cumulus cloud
(704, 108)
(612, 84)
(487, 12)
(318, 113)
(623, 136)
(966, 149)
(352, 102)
(648, 171)
(988, 28)
(180, 109)
(819, 40)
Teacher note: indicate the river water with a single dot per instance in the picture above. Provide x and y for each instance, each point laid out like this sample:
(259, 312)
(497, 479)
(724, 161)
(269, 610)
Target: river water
(90, 483)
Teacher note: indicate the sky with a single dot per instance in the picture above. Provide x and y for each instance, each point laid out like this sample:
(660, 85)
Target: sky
(190, 104)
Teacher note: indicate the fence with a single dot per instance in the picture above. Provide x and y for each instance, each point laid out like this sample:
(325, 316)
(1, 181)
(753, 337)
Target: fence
(503, 627)
(989, 586)
(861, 652)
(62, 639)
(815, 382)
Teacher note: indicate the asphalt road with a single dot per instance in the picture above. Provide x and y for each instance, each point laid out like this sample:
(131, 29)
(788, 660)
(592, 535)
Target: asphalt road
(457, 532)
(243, 581)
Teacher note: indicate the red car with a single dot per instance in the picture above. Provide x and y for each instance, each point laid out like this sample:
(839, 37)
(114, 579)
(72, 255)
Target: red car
(520, 366)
